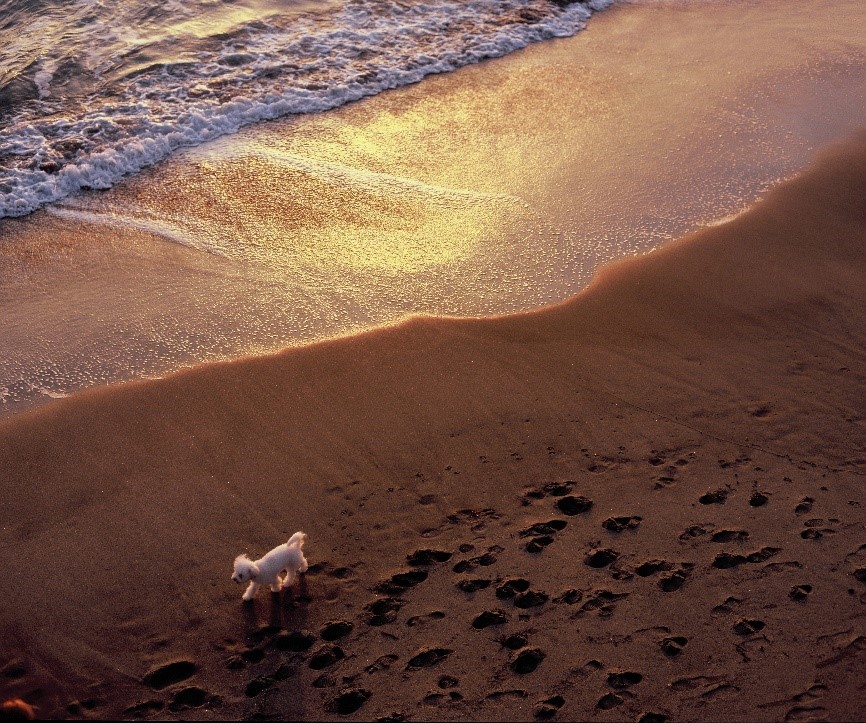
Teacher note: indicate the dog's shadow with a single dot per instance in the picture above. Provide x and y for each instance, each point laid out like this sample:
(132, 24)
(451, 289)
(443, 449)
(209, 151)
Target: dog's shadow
(293, 608)
(287, 609)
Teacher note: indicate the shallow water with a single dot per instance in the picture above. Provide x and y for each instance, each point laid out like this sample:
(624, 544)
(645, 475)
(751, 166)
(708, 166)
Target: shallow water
(91, 92)
(496, 188)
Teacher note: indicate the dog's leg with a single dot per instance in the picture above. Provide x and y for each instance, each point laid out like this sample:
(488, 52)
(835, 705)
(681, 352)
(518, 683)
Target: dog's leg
(303, 567)
(277, 584)
(251, 591)
(287, 580)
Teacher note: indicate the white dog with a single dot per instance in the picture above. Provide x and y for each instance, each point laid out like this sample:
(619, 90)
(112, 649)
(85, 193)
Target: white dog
(266, 571)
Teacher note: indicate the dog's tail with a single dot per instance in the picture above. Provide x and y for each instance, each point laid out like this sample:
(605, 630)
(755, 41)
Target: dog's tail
(299, 538)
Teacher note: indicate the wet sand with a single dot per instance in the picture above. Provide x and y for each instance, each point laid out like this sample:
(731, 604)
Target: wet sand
(646, 500)
(498, 188)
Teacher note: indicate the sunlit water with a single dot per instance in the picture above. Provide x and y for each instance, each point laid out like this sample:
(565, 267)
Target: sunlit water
(496, 188)
(92, 91)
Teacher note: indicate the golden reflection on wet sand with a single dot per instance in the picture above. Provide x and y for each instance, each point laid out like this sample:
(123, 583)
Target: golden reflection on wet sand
(492, 189)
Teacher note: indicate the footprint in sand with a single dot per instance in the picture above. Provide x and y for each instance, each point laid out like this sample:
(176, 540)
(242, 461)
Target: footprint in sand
(427, 657)
(762, 555)
(488, 618)
(727, 606)
(139, 710)
(474, 585)
(513, 694)
(624, 679)
(383, 662)
(295, 642)
(509, 588)
(601, 558)
(762, 411)
(611, 700)
(263, 682)
(253, 655)
(717, 497)
(558, 489)
(325, 656)
(527, 660)
(14, 669)
(515, 641)
(530, 599)
(739, 461)
(547, 708)
(186, 698)
(169, 674)
(672, 583)
(758, 499)
(324, 681)
(382, 612)
(543, 534)
(401, 581)
(437, 698)
(800, 593)
(807, 713)
(602, 601)
(537, 544)
(485, 560)
(673, 646)
(448, 681)
(727, 560)
(815, 530)
(651, 567)
(348, 701)
(653, 718)
(569, 597)
(748, 627)
(574, 505)
(424, 619)
(618, 524)
(421, 558)
(587, 669)
(804, 506)
(335, 629)
(729, 536)
(476, 519)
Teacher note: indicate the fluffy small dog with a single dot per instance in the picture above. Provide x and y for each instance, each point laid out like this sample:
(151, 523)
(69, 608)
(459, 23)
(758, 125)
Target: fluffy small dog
(266, 570)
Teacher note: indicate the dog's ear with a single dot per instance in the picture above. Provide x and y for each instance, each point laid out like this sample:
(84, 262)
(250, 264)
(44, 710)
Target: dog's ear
(254, 571)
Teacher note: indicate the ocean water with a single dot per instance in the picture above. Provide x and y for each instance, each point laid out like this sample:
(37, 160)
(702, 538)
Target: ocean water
(494, 189)
(94, 90)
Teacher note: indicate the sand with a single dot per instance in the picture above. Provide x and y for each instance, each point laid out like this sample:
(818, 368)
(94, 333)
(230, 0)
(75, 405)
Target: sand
(497, 188)
(672, 462)
(644, 501)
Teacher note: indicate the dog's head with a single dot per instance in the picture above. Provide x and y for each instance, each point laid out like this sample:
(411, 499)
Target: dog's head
(244, 569)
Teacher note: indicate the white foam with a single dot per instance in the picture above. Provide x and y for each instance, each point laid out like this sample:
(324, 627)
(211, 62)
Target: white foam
(365, 48)
(158, 227)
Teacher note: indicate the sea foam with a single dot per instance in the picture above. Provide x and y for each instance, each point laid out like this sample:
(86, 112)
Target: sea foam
(150, 103)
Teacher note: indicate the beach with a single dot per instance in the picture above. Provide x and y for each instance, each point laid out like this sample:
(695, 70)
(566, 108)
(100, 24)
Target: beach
(500, 187)
(623, 485)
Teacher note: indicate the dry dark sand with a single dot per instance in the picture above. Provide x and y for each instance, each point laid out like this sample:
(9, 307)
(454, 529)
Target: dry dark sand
(647, 500)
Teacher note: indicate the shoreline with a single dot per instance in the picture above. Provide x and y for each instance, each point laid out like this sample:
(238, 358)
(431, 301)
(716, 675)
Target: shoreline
(422, 200)
(706, 400)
